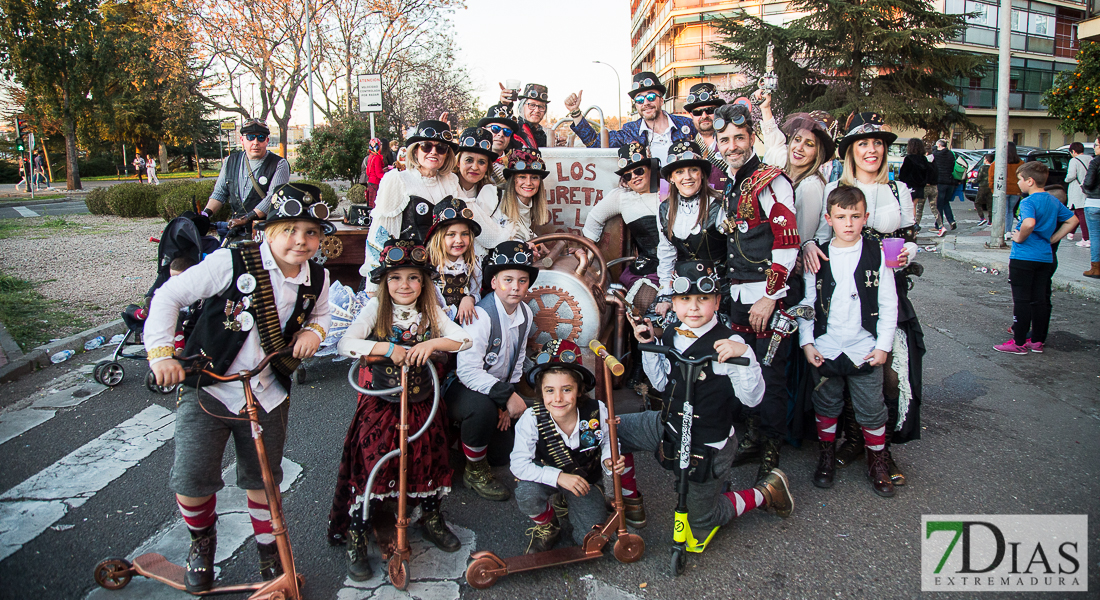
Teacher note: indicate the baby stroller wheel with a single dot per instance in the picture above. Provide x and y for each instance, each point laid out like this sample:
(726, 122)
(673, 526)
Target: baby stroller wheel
(113, 573)
(151, 383)
(109, 373)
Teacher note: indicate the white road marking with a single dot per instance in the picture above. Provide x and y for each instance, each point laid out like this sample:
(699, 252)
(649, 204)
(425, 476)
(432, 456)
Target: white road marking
(173, 542)
(34, 505)
(25, 212)
(433, 573)
(65, 391)
(598, 590)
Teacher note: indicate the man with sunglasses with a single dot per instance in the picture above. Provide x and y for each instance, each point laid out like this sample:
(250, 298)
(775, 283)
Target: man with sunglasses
(499, 122)
(535, 98)
(701, 102)
(247, 179)
(656, 129)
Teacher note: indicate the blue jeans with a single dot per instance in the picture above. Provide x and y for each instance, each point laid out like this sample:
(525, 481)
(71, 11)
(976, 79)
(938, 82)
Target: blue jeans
(1011, 202)
(1092, 219)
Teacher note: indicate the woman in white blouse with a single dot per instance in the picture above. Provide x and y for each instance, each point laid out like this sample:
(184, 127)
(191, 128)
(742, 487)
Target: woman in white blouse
(513, 213)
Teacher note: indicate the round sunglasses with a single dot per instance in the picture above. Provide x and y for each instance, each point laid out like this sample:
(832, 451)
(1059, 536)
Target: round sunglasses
(650, 97)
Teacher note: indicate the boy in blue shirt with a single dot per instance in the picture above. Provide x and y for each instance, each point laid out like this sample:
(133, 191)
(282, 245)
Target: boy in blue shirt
(1031, 262)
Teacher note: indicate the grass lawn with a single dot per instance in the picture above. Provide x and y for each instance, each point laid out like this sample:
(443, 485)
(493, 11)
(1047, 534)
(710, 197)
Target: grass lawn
(178, 175)
(29, 317)
(24, 198)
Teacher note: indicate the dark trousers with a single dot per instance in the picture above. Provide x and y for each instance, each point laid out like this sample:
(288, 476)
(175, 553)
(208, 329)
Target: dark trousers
(943, 203)
(477, 417)
(1030, 281)
(772, 410)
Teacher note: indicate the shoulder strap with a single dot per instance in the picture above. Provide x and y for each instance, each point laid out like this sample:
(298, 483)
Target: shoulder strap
(559, 453)
(894, 190)
(267, 315)
(489, 304)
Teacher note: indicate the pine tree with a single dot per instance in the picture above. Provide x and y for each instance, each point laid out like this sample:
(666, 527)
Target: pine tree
(851, 55)
(1075, 97)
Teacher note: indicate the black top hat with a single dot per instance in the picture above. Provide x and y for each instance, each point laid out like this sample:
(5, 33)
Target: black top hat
(298, 202)
(732, 114)
(452, 210)
(695, 277)
(432, 131)
(632, 155)
(255, 126)
(501, 114)
(561, 354)
(685, 154)
(508, 255)
(526, 160)
(645, 81)
(821, 124)
(702, 94)
(535, 91)
(478, 141)
(862, 126)
(402, 254)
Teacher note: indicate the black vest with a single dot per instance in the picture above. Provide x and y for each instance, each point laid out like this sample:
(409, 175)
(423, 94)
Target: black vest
(714, 395)
(645, 236)
(263, 177)
(454, 288)
(749, 252)
(550, 450)
(708, 244)
(867, 282)
(416, 219)
(214, 336)
(387, 375)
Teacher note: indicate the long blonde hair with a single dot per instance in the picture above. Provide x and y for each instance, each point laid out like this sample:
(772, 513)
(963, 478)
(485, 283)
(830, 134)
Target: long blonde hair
(848, 177)
(540, 212)
(438, 253)
(819, 154)
(426, 304)
(706, 195)
(449, 160)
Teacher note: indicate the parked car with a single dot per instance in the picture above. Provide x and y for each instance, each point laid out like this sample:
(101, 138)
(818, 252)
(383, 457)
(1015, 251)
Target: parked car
(1088, 149)
(1055, 160)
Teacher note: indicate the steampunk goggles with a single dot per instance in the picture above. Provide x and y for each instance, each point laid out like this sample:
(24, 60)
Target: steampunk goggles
(472, 142)
(449, 213)
(430, 132)
(635, 157)
(293, 207)
(705, 284)
(701, 97)
(397, 254)
(720, 123)
(648, 81)
(519, 258)
(520, 165)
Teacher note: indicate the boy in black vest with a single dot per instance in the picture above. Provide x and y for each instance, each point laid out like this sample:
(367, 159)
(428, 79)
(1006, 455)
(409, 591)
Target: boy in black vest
(484, 401)
(256, 299)
(850, 336)
(560, 444)
(710, 506)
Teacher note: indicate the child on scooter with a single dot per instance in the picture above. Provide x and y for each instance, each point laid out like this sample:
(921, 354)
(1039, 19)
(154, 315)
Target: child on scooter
(405, 323)
(695, 302)
(246, 292)
(451, 251)
(560, 444)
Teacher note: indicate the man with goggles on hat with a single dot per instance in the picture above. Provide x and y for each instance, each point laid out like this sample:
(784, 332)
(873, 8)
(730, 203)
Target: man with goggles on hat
(247, 179)
(758, 218)
(535, 98)
(701, 103)
(656, 129)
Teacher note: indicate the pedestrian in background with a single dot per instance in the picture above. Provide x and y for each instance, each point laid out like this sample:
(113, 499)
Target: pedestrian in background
(151, 168)
(139, 166)
(983, 202)
(1012, 189)
(944, 162)
(1075, 176)
(1091, 188)
(40, 171)
(374, 164)
(914, 174)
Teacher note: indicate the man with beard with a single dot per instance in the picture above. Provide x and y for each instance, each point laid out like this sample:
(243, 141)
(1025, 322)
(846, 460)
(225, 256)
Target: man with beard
(535, 97)
(702, 102)
(656, 130)
(758, 216)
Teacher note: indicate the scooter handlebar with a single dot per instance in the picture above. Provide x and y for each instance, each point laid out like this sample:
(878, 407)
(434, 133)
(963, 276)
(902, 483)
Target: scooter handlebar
(201, 362)
(673, 354)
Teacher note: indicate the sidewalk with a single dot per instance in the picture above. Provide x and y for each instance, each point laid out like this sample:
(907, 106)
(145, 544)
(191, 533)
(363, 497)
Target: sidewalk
(967, 244)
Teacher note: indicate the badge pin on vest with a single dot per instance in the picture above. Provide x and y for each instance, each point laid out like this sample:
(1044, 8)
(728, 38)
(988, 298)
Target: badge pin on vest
(246, 283)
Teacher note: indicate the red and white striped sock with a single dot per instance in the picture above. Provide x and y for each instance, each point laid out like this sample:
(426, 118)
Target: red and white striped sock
(874, 439)
(544, 517)
(826, 428)
(474, 454)
(629, 484)
(745, 500)
(261, 522)
(199, 517)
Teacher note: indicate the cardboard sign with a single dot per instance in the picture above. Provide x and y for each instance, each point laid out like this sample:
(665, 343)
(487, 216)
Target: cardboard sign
(578, 179)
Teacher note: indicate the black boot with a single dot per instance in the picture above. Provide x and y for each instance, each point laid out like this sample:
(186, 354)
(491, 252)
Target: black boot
(852, 448)
(200, 560)
(359, 568)
(543, 537)
(879, 474)
(750, 448)
(826, 465)
(769, 457)
(270, 565)
(435, 529)
(895, 472)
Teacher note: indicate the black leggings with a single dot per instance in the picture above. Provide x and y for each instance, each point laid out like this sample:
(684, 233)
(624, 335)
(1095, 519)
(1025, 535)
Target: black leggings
(1030, 281)
(477, 417)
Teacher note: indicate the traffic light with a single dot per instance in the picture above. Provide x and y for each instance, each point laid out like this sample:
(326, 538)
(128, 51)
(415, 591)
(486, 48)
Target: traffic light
(21, 129)
(19, 146)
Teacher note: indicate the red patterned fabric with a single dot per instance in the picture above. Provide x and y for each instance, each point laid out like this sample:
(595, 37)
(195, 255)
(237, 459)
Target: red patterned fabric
(777, 279)
(784, 227)
(826, 428)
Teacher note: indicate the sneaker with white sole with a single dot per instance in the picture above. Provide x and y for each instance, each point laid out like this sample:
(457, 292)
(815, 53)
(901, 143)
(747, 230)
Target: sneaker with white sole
(1036, 347)
(1010, 347)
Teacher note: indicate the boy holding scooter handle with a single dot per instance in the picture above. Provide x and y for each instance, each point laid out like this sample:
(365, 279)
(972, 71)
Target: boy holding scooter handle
(719, 386)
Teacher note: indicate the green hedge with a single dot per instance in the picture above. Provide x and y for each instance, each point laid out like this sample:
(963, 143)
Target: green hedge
(133, 199)
(190, 195)
(97, 201)
(357, 194)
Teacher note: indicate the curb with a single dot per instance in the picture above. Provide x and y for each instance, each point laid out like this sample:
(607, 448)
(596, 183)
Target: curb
(40, 357)
(1060, 282)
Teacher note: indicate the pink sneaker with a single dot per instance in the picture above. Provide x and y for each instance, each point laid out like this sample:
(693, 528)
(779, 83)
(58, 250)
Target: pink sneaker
(1011, 347)
(1036, 347)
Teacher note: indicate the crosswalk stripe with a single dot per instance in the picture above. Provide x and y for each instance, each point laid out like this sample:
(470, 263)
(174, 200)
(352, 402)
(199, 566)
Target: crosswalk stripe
(41, 500)
(25, 212)
(65, 391)
(173, 541)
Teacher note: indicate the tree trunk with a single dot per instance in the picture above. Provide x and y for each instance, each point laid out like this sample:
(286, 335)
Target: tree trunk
(163, 158)
(284, 131)
(72, 168)
(198, 161)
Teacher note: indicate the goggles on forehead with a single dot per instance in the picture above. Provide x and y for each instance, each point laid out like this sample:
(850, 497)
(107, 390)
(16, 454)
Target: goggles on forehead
(635, 157)
(705, 284)
(720, 123)
(865, 128)
(471, 142)
(396, 254)
(293, 207)
(685, 155)
(430, 132)
(519, 258)
(449, 213)
(566, 356)
(701, 97)
(641, 99)
(648, 81)
(520, 165)
(500, 129)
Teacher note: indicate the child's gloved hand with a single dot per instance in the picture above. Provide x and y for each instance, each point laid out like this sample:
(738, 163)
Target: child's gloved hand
(306, 342)
(168, 372)
(573, 483)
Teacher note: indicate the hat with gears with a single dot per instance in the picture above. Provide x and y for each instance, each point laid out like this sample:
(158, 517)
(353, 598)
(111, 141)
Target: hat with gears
(526, 160)
(452, 210)
(565, 355)
(298, 202)
(506, 256)
(535, 91)
(695, 277)
(499, 114)
(402, 254)
(478, 141)
(685, 154)
(432, 131)
(702, 94)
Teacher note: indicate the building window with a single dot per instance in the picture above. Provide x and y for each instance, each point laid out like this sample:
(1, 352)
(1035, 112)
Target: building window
(1018, 137)
(1044, 138)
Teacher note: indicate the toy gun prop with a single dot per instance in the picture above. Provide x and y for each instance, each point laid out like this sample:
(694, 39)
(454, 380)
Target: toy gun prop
(783, 325)
(770, 81)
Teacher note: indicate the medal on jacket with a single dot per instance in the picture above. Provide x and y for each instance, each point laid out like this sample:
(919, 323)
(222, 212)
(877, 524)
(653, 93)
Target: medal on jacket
(742, 225)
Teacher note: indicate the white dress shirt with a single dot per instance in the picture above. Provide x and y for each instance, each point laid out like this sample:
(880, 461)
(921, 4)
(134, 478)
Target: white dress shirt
(747, 381)
(844, 332)
(522, 460)
(887, 215)
(619, 201)
(211, 278)
(471, 371)
(659, 142)
(354, 342)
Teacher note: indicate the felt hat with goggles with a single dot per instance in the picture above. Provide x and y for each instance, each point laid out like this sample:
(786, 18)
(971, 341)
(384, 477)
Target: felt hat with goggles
(634, 156)
(535, 91)
(527, 160)
(561, 354)
(685, 154)
(402, 254)
(862, 126)
(478, 141)
(255, 126)
(819, 123)
(646, 81)
(702, 94)
(694, 278)
(449, 211)
(499, 114)
(507, 256)
(298, 202)
(432, 131)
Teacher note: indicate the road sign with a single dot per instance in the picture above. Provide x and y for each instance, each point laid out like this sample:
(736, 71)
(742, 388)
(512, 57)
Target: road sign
(229, 125)
(370, 92)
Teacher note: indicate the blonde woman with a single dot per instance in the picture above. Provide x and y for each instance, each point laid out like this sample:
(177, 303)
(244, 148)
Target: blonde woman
(517, 209)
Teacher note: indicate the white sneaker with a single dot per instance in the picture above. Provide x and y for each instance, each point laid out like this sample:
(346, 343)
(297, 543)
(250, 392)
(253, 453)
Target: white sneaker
(1069, 236)
(1082, 244)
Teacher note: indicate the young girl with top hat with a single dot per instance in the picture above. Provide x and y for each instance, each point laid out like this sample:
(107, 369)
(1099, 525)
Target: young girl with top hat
(451, 252)
(517, 209)
(890, 214)
(405, 198)
(405, 323)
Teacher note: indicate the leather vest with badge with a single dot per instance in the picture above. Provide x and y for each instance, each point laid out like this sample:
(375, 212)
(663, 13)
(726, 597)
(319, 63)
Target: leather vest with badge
(225, 321)
(551, 450)
(416, 219)
(387, 375)
(707, 244)
(454, 288)
(644, 234)
(713, 396)
(867, 282)
(750, 240)
(264, 174)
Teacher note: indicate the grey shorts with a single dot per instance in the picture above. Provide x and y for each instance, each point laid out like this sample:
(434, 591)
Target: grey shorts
(201, 438)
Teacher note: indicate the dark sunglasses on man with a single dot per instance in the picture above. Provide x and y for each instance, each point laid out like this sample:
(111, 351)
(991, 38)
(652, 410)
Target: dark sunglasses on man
(495, 129)
(255, 137)
(641, 99)
(709, 110)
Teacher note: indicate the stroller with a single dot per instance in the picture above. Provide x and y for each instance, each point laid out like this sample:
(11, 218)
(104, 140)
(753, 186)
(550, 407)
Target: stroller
(181, 238)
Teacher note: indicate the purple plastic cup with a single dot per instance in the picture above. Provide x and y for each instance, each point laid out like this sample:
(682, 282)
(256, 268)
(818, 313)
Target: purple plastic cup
(892, 247)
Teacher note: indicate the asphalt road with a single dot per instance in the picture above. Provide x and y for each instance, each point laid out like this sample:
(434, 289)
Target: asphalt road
(1003, 434)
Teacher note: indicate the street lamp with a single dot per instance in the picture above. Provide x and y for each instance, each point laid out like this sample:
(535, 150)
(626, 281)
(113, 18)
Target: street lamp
(618, 90)
(309, 69)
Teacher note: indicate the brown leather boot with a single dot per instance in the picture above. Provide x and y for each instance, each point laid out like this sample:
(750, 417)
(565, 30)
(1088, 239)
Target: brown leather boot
(479, 477)
(1094, 272)
(852, 448)
(359, 568)
(777, 493)
(543, 537)
(769, 458)
(879, 474)
(895, 471)
(826, 465)
(634, 511)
